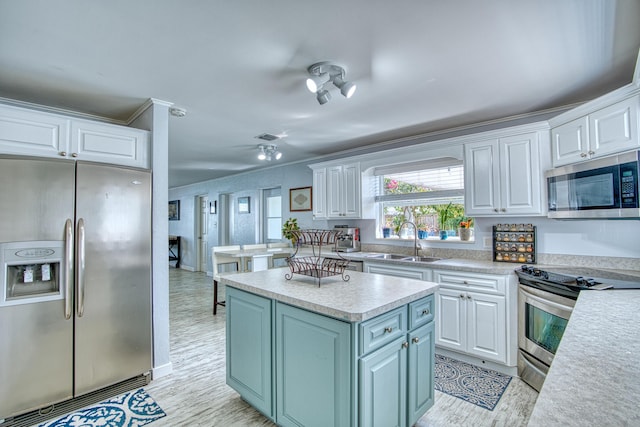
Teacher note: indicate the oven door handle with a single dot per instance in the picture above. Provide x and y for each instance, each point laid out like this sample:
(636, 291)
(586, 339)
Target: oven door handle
(545, 302)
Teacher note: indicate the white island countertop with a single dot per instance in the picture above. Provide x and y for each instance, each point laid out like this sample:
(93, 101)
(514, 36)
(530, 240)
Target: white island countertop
(363, 297)
(595, 375)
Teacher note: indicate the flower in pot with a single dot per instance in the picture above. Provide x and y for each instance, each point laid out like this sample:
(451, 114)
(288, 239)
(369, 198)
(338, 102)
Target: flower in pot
(464, 230)
(288, 227)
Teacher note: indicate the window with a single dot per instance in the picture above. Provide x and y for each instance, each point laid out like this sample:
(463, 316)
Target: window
(272, 215)
(429, 194)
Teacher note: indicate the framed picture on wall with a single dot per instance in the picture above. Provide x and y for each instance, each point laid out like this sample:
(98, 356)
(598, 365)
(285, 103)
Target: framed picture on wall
(300, 199)
(244, 205)
(213, 207)
(174, 210)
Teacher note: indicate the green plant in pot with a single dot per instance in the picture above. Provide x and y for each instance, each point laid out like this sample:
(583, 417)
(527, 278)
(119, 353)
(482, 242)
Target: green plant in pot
(445, 214)
(288, 227)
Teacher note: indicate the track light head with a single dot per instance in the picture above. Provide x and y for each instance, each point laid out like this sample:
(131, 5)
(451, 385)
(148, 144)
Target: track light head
(323, 96)
(347, 89)
(314, 83)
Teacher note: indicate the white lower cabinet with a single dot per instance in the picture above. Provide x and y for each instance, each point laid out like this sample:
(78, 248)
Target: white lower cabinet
(476, 315)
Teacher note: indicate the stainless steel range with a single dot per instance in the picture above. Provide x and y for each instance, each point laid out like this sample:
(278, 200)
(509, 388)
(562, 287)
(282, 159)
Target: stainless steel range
(545, 302)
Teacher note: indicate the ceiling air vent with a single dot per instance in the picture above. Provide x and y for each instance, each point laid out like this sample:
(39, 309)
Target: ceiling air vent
(268, 137)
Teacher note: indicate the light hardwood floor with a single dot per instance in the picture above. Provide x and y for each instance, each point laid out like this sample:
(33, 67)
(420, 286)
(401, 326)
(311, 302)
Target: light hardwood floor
(195, 393)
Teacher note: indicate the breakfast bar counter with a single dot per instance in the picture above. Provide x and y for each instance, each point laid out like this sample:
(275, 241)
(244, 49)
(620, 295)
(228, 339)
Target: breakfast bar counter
(343, 353)
(595, 375)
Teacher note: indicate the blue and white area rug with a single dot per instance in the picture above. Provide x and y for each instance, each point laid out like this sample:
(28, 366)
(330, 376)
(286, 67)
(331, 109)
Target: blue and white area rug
(132, 409)
(482, 387)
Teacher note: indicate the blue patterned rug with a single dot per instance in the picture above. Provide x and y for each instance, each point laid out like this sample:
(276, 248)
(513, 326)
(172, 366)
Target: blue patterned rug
(480, 386)
(132, 409)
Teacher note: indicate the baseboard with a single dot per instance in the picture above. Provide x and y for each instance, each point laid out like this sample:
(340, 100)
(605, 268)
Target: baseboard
(188, 268)
(161, 371)
(508, 370)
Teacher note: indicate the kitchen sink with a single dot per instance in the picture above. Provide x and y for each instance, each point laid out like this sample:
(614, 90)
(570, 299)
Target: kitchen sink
(404, 257)
(421, 258)
(387, 256)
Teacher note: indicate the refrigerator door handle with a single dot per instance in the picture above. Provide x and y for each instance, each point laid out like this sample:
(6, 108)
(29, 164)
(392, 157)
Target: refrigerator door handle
(80, 269)
(68, 268)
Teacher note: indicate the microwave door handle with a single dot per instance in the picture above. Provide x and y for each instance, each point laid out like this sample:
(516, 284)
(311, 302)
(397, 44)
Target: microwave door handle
(80, 269)
(68, 268)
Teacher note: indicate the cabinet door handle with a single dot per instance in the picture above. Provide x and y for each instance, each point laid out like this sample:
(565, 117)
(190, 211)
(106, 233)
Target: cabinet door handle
(468, 296)
(591, 152)
(388, 329)
(583, 155)
(74, 154)
(415, 340)
(405, 344)
(495, 209)
(462, 296)
(465, 282)
(63, 153)
(425, 311)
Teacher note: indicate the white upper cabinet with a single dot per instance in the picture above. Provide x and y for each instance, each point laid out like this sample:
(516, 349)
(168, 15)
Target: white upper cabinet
(32, 133)
(36, 133)
(337, 192)
(100, 142)
(609, 130)
(503, 176)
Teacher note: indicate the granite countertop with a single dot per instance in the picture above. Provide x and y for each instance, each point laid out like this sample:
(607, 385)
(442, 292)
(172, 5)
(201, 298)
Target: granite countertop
(595, 375)
(363, 297)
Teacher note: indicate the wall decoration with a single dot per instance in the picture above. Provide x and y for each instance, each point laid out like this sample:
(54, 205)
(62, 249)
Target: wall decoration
(244, 205)
(300, 199)
(174, 210)
(213, 207)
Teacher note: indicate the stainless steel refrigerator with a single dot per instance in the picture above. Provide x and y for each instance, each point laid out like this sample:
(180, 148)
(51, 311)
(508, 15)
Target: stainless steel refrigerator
(75, 258)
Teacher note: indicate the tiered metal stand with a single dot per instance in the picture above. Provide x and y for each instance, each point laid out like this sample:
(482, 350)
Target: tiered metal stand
(316, 265)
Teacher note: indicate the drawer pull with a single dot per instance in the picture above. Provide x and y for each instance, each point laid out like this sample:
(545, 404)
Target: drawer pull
(415, 340)
(388, 329)
(465, 282)
(425, 312)
(405, 344)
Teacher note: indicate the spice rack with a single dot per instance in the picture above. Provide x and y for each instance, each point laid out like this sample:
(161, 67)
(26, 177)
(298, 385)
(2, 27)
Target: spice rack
(316, 265)
(514, 243)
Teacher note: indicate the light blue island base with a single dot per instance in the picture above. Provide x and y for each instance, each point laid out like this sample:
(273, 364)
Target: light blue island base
(359, 353)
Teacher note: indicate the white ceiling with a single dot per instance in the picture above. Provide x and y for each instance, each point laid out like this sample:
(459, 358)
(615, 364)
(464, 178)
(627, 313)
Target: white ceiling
(238, 67)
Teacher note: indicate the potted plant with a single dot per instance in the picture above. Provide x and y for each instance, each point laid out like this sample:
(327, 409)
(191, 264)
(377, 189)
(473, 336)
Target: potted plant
(465, 226)
(444, 215)
(290, 225)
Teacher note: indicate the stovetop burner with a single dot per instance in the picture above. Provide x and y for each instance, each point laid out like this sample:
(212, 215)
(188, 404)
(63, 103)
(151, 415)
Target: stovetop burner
(567, 284)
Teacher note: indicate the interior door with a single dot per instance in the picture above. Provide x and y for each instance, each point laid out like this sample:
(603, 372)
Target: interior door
(113, 286)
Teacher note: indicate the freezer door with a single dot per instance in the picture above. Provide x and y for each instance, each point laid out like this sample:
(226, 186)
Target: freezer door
(113, 271)
(36, 341)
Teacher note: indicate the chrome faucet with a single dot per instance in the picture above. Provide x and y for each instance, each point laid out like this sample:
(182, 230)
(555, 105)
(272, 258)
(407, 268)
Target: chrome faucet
(415, 236)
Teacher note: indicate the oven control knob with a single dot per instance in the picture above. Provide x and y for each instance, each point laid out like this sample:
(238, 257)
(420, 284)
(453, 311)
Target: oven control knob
(581, 281)
(591, 282)
(537, 272)
(525, 268)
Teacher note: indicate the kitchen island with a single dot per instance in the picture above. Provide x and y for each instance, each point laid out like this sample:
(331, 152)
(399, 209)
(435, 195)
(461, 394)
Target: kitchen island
(342, 354)
(595, 377)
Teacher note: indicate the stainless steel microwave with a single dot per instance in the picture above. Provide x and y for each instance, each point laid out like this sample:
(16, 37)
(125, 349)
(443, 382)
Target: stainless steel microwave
(599, 188)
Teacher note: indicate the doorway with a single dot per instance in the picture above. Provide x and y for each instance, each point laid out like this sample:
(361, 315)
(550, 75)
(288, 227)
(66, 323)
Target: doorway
(201, 231)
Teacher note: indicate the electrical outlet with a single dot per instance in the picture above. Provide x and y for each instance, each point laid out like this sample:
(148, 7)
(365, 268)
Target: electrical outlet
(487, 242)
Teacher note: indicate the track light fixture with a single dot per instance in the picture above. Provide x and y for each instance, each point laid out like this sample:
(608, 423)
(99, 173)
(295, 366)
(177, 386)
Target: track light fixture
(268, 152)
(322, 73)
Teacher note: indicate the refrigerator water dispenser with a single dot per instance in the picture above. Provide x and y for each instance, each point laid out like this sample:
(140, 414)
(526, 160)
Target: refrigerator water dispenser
(31, 272)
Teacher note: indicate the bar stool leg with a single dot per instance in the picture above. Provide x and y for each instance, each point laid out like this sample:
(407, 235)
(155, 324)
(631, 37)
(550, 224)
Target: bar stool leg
(215, 297)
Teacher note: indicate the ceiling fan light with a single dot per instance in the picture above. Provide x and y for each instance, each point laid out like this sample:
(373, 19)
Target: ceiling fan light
(278, 155)
(323, 96)
(262, 156)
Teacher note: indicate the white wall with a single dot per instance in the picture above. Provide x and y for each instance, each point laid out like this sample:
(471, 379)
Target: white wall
(244, 227)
